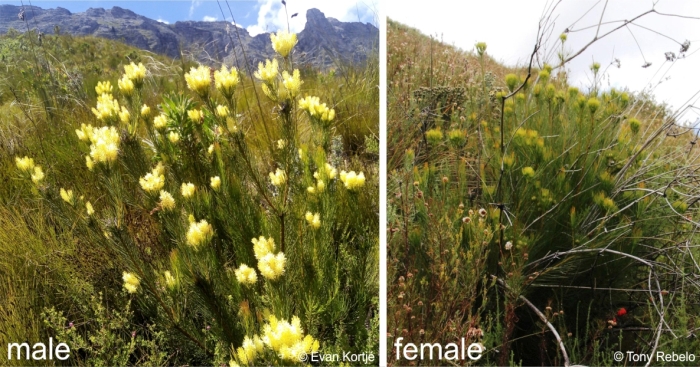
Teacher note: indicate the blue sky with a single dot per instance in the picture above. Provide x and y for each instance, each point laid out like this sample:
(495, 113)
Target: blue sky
(256, 16)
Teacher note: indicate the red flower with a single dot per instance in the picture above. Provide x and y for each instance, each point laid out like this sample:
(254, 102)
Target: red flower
(621, 312)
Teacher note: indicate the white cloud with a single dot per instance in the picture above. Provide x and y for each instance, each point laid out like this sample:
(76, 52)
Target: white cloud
(510, 36)
(272, 17)
(209, 19)
(193, 5)
(162, 20)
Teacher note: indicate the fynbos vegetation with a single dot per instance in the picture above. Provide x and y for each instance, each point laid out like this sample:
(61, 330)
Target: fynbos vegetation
(169, 213)
(552, 225)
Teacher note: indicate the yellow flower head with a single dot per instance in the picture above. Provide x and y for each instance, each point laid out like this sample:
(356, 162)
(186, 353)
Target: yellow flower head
(287, 339)
(170, 280)
(272, 266)
(24, 164)
(126, 86)
(199, 233)
(105, 144)
(263, 246)
(167, 202)
(198, 80)
(215, 183)
(103, 88)
(88, 207)
(124, 115)
(314, 220)
(160, 121)
(67, 196)
(107, 107)
(154, 180)
(85, 132)
(352, 180)
(131, 282)
(210, 150)
(195, 115)
(268, 72)
(222, 111)
(135, 73)
(317, 111)
(278, 178)
(38, 175)
(246, 275)
(528, 172)
(283, 42)
(187, 189)
(320, 186)
(145, 111)
(249, 350)
(174, 137)
(226, 81)
(292, 82)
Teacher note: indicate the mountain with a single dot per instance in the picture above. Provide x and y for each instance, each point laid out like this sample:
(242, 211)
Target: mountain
(322, 41)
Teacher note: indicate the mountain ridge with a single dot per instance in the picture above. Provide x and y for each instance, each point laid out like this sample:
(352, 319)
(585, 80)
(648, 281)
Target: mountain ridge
(323, 40)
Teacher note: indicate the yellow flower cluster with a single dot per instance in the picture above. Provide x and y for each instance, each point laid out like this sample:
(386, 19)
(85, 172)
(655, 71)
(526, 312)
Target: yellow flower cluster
(174, 137)
(352, 180)
(263, 246)
(124, 115)
(326, 171)
(107, 107)
(187, 189)
(154, 180)
(170, 280)
(283, 42)
(38, 175)
(278, 178)
(317, 110)
(135, 73)
(319, 188)
(67, 196)
(250, 350)
(528, 172)
(272, 266)
(292, 82)
(246, 275)
(105, 144)
(198, 80)
(314, 220)
(222, 111)
(25, 164)
(126, 86)
(103, 88)
(287, 339)
(131, 282)
(268, 72)
(88, 207)
(215, 183)
(195, 115)
(145, 111)
(226, 81)
(199, 233)
(160, 121)
(167, 201)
